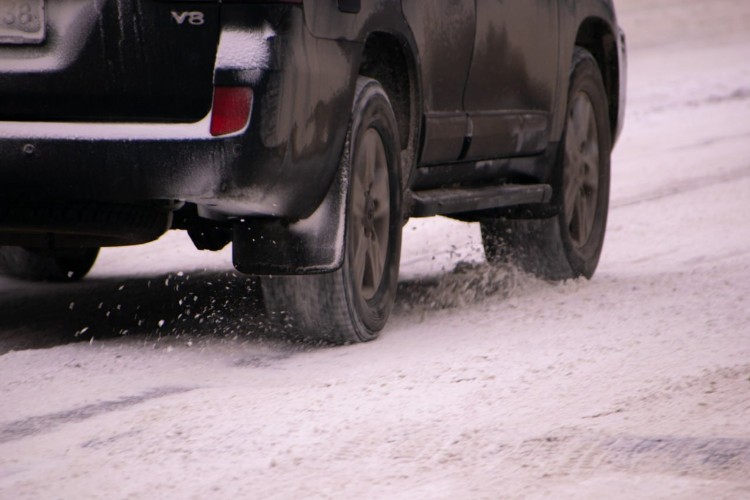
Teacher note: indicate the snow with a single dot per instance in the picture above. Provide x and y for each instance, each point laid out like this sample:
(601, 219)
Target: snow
(635, 384)
(242, 50)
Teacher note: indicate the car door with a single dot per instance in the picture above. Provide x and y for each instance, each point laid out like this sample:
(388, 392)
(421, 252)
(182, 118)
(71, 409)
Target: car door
(444, 33)
(511, 85)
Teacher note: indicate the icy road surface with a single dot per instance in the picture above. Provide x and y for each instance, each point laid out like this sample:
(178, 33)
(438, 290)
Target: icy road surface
(155, 378)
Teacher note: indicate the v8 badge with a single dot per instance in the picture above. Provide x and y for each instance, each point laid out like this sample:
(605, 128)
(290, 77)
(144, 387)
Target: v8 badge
(193, 17)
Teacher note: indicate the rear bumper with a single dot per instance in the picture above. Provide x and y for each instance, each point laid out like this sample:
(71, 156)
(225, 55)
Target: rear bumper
(280, 165)
(113, 163)
(101, 184)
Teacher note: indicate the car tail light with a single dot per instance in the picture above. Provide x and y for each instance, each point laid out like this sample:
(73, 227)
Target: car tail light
(231, 110)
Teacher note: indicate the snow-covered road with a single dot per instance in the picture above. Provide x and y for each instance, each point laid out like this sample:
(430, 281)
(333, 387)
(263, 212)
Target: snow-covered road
(155, 378)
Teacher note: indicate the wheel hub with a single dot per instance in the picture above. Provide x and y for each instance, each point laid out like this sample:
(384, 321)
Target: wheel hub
(369, 217)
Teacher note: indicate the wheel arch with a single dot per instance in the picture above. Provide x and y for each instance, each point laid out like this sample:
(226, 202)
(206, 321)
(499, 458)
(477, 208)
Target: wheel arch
(598, 37)
(386, 58)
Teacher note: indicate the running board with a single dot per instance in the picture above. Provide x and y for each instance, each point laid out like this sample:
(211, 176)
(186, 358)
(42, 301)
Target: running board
(456, 200)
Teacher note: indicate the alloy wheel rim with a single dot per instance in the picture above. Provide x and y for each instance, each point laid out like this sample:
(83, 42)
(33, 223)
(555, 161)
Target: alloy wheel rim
(581, 170)
(370, 214)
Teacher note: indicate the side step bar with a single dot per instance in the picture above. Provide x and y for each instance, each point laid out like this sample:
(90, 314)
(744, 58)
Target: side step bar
(456, 200)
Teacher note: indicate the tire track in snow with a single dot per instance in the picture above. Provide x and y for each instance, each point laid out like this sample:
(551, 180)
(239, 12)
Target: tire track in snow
(705, 457)
(460, 460)
(734, 96)
(684, 186)
(31, 426)
(485, 452)
(709, 457)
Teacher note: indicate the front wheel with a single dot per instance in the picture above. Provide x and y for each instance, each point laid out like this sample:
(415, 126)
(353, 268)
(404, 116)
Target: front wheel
(353, 303)
(569, 244)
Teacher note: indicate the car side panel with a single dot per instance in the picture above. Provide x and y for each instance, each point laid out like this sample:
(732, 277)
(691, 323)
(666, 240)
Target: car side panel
(444, 35)
(440, 33)
(511, 87)
(299, 122)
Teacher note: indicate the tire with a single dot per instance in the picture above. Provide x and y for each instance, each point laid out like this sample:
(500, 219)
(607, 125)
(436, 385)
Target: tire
(353, 303)
(61, 264)
(569, 244)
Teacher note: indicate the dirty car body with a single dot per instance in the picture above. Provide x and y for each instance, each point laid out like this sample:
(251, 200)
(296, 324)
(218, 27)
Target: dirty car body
(122, 119)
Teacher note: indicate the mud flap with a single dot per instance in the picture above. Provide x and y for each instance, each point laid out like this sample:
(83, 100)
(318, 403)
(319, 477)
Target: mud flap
(309, 246)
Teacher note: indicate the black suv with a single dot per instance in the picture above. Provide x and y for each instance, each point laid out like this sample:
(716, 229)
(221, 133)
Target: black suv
(306, 132)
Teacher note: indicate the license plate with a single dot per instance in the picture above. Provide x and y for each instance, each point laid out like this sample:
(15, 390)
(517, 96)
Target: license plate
(22, 21)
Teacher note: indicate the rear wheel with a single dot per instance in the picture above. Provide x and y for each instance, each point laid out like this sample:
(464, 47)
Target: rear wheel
(353, 303)
(60, 264)
(569, 244)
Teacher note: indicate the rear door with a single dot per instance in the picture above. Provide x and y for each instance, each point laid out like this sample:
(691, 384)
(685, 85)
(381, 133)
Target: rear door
(444, 33)
(511, 87)
(107, 60)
